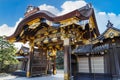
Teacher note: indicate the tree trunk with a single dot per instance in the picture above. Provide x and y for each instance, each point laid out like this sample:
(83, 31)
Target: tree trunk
(1, 66)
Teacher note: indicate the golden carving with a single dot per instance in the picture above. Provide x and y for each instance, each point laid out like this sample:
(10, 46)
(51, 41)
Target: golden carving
(31, 44)
(54, 39)
(22, 33)
(111, 33)
(91, 22)
(55, 72)
(33, 21)
(11, 40)
(46, 33)
(34, 25)
(66, 76)
(55, 31)
(46, 40)
(69, 21)
(113, 40)
(28, 74)
(53, 51)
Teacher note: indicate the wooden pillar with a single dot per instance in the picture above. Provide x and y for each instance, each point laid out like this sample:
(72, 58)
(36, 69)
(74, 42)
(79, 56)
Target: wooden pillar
(48, 59)
(66, 59)
(49, 66)
(29, 65)
(54, 65)
(90, 66)
(54, 60)
(107, 63)
(116, 60)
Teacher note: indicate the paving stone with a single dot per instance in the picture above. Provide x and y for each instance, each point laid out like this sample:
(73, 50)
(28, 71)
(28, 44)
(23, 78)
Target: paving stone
(58, 76)
(52, 77)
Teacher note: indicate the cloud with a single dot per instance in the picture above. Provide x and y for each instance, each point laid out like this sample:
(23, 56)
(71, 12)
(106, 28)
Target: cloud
(7, 30)
(66, 7)
(69, 6)
(103, 17)
(49, 8)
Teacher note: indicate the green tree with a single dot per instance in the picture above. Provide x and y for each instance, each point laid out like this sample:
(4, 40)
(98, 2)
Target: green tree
(7, 54)
(60, 60)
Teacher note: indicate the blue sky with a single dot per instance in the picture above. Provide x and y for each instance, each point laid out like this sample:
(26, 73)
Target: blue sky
(106, 5)
(11, 11)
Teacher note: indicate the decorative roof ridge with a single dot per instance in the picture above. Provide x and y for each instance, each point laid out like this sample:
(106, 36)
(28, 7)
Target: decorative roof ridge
(31, 10)
(42, 11)
(87, 6)
(51, 15)
(109, 26)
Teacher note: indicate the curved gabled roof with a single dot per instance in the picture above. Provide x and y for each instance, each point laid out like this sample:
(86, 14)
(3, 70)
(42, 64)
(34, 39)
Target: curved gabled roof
(82, 13)
(102, 36)
(110, 33)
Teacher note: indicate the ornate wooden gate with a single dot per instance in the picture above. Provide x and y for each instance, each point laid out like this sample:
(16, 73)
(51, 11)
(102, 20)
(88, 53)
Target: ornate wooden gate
(39, 63)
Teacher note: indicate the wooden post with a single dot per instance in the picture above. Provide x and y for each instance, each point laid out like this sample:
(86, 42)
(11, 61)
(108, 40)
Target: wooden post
(116, 59)
(66, 59)
(89, 60)
(47, 62)
(30, 59)
(54, 65)
(48, 68)
(54, 60)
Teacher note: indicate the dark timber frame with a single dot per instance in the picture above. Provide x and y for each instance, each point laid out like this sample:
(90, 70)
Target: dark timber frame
(108, 46)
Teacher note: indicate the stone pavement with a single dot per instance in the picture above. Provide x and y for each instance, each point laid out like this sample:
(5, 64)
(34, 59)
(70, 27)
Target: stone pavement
(53, 77)
(58, 76)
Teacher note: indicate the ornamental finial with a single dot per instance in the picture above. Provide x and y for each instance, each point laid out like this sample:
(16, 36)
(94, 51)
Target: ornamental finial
(30, 10)
(109, 24)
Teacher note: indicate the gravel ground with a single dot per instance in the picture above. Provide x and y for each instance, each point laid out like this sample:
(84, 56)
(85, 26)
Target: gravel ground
(58, 76)
(53, 77)
(5, 76)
